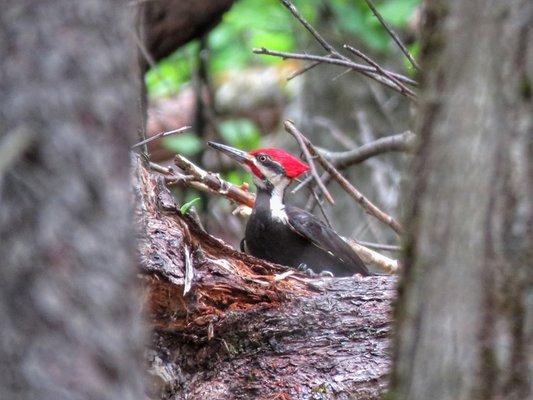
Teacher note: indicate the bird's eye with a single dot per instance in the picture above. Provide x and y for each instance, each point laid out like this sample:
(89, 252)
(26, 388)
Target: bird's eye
(262, 158)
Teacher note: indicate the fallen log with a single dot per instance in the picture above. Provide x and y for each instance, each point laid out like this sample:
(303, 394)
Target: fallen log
(227, 325)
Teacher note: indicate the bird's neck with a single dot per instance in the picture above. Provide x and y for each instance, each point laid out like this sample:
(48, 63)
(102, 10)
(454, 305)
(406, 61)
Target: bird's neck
(271, 198)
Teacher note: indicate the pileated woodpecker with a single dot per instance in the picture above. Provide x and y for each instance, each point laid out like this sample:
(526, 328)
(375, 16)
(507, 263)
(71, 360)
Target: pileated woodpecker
(285, 234)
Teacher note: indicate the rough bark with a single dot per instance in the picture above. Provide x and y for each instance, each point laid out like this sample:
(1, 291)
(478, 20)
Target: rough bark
(243, 330)
(465, 310)
(69, 304)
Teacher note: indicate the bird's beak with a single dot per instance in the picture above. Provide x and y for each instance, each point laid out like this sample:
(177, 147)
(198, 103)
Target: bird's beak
(236, 154)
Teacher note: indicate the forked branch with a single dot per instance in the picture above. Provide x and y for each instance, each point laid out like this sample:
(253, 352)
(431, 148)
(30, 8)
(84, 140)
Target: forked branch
(374, 71)
(392, 34)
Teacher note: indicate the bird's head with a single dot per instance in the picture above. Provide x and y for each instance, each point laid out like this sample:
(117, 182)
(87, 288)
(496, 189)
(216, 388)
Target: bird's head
(269, 166)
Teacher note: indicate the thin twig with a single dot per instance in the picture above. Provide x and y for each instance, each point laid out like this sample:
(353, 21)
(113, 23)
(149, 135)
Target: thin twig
(320, 206)
(308, 180)
(365, 69)
(215, 183)
(312, 166)
(340, 75)
(303, 70)
(280, 277)
(161, 135)
(294, 11)
(393, 34)
(159, 168)
(385, 105)
(401, 142)
(346, 141)
(379, 246)
(335, 57)
(312, 201)
(405, 89)
(366, 204)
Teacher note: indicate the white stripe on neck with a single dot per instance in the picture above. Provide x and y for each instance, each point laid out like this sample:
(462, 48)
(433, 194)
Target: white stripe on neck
(277, 208)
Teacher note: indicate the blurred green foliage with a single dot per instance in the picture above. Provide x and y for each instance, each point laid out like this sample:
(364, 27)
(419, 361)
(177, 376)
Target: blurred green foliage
(187, 144)
(240, 133)
(266, 23)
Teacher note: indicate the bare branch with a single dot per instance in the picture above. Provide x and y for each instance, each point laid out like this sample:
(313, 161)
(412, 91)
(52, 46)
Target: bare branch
(366, 204)
(303, 70)
(379, 246)
(212, 182)
(376, 72)
(320, 206)
(401, 142)
(374, 258)
(364, 69)
(405, 90)
(159, 168)
(161, 135)
(294, 11)
(393, 34)
(342, 138)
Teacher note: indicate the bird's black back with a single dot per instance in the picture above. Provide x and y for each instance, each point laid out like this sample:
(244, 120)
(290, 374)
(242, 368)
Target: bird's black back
(302, 239)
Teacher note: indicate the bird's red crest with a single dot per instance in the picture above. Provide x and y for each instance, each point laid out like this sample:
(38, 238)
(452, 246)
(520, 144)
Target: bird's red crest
(293, 166)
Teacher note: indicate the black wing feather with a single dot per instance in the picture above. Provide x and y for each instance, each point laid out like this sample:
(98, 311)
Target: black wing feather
(307, 225)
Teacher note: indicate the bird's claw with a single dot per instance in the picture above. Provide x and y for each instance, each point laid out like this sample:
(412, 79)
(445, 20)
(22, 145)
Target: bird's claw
(309, 272)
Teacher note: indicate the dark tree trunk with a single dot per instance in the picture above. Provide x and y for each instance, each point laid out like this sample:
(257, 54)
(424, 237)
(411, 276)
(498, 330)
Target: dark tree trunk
(164, 26)
(465, 311)
(241, 333)
(167, 25)
(69, 304)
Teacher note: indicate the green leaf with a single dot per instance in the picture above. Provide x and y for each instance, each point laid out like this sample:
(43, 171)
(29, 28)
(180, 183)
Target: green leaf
(184, 209)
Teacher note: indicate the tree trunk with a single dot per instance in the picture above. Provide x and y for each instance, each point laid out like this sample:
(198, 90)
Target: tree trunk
(69, 304)
(465, 310)
(230, 326)
(167, 25)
